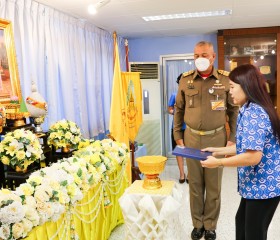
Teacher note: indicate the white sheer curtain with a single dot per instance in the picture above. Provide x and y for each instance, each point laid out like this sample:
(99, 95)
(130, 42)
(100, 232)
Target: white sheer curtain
(70, 60)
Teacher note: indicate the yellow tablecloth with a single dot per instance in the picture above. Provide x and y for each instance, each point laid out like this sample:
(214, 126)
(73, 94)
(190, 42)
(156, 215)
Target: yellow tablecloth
(89, 219)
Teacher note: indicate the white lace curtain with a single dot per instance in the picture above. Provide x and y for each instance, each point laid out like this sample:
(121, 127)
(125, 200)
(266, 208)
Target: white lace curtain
(71, 62)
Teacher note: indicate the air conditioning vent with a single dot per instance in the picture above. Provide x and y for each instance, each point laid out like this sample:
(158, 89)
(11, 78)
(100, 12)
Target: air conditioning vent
(148, 70)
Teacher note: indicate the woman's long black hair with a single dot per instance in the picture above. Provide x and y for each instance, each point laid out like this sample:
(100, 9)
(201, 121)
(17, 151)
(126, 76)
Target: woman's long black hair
(254, 86)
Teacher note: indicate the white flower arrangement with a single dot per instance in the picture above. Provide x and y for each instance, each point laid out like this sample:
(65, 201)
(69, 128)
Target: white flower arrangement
(104, 155)
(49, 191)
(20, 148)
(84, 175)
(64, 133)
(13, 224)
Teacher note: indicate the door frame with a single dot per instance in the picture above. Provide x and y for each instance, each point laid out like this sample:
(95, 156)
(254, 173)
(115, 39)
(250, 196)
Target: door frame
(163, 93)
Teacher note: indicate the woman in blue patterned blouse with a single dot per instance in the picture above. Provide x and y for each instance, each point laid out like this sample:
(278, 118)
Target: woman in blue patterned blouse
(256, 153)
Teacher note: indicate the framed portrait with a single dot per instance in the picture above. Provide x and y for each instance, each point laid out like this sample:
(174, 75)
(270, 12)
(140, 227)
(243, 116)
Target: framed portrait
(9, 77)
(234, 50)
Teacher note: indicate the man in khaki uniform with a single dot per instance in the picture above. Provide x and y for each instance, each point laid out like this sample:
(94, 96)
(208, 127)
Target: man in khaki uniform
(204, 104)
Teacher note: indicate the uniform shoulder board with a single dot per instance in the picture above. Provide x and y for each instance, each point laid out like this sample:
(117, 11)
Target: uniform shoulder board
(188, 73)
(223, 72)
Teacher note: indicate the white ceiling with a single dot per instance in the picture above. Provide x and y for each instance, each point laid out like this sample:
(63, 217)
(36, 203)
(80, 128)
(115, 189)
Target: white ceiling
(125, 16)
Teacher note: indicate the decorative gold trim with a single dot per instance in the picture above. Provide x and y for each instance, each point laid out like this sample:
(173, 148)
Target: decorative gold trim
(6, 26)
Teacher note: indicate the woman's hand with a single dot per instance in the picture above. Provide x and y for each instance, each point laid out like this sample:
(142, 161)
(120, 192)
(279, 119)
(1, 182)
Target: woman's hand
(214, 150)
(211, 162)
(221, 151)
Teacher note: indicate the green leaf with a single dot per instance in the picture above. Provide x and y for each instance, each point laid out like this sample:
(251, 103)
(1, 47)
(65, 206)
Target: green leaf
(90, 180)
(64, 183)
(80, 172)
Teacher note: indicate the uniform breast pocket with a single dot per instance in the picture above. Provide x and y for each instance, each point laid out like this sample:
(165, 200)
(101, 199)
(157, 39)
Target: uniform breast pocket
(218, 100)
(191, 97)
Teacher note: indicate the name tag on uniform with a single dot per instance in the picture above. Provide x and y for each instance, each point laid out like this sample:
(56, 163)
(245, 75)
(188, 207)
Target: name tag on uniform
(218, 105)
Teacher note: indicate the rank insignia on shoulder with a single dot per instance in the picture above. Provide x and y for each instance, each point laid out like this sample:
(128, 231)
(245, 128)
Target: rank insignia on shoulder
(185, 74)
(223, 72)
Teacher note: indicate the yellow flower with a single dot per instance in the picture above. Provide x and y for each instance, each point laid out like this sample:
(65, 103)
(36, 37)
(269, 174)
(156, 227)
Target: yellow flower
(82, 144)
(71, 189)
(18, 134)
(8, 138)
(5, 191)
(68, 135)
(60, 135)
(36, 179)
(77, 179)
(72, 124)
(27, 189)
(5, 160)
(64, 124)
(77, 139)
(94, 158)
(11, 150)
(61, 197)
(54, 135)
(2, 149)
(96, 144)
(20, 155)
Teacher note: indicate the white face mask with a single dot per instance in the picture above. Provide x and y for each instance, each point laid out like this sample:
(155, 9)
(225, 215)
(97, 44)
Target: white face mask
(202, 64)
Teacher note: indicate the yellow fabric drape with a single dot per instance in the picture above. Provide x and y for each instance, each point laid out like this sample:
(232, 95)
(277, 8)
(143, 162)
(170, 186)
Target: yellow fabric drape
(133, 91)
(118, 114)
(95, 222)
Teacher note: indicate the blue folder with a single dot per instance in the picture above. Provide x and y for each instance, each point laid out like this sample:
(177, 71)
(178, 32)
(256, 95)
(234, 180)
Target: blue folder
(190, 153)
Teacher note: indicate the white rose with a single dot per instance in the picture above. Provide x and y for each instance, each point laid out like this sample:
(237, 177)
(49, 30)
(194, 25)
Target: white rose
(32, 215)
(4, 231)
(27, 226)
(17, 230)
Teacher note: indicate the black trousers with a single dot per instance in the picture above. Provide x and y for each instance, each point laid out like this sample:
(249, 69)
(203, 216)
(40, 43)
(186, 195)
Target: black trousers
(253, 218)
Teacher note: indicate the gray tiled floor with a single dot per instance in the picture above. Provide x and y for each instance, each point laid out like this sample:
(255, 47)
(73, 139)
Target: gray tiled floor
(230, 202)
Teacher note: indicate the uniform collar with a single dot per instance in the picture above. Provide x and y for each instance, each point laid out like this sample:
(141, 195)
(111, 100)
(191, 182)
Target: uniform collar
(214, 73)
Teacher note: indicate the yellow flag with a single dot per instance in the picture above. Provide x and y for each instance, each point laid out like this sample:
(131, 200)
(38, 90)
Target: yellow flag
(118, 114)
(133, 92)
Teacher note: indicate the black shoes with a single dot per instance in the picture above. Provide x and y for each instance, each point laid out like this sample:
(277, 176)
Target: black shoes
(210, 235)
(197, 233)
(184, 180)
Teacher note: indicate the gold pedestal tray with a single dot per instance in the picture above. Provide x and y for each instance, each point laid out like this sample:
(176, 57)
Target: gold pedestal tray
(13, 113)
(151, 167)
(152, 182)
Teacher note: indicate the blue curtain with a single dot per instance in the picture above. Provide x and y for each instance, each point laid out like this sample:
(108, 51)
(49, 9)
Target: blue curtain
(70, 60)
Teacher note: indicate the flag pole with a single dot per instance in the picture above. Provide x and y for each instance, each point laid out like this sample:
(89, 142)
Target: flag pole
(126, 54)
(115, 41)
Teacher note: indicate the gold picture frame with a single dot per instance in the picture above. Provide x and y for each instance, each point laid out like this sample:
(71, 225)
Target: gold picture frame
(9, 77)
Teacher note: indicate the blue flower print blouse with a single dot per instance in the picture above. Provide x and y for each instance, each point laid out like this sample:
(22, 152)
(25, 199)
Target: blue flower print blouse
(254, 132)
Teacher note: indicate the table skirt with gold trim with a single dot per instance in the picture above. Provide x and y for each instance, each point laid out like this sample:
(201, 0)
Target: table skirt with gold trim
(90, 219)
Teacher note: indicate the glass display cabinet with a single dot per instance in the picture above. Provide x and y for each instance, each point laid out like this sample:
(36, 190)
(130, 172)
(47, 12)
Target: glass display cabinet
(257, 46)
